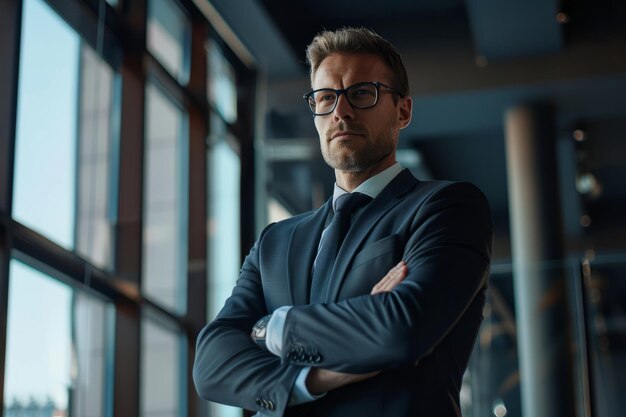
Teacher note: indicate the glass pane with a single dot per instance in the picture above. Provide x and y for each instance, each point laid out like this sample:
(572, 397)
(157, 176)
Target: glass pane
(222, 83)
(169, 34)
(163, 370)
(224, 172)
(165, 202)
(94, 345)
(46, 124)
(59, 347)
(65, 126)
(491, 382)
(96, 208)
(605, 287)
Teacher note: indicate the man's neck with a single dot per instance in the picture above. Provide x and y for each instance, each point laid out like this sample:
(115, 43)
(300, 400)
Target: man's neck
(351, 180)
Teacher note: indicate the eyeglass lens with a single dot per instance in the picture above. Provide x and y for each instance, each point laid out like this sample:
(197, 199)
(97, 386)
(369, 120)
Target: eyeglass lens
(360, 96)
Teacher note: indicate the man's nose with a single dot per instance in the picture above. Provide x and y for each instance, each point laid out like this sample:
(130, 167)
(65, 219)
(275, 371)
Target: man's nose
(344, 109)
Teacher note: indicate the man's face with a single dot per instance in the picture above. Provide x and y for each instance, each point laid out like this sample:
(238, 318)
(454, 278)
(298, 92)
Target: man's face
(360, 140)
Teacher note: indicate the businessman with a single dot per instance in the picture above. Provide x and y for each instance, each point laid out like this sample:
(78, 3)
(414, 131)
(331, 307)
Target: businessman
(369, 305)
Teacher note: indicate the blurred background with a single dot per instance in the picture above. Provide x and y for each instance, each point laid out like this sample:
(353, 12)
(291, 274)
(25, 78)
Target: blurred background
(145, 143)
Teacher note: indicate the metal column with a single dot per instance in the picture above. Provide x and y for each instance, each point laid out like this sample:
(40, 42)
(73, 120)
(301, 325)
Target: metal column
(537, 248)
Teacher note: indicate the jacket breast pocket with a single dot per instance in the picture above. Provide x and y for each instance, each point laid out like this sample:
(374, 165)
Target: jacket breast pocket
(370, 265)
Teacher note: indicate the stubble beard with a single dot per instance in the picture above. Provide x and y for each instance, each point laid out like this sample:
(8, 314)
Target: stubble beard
(348, 159)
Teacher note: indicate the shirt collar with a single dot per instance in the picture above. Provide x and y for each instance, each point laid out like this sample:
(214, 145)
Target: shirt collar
(372, 186)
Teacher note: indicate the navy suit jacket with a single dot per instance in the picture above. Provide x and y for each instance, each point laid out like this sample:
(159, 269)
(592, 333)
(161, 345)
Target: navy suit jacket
(420, 334)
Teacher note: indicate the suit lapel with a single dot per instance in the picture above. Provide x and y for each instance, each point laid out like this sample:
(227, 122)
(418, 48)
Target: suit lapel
(303, 246)
(391, 195)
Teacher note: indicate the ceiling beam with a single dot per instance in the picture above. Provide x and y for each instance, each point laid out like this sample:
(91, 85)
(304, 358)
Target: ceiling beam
(512, 28)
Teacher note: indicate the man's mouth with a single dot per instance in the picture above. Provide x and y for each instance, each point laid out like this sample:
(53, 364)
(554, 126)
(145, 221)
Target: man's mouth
(344, 134)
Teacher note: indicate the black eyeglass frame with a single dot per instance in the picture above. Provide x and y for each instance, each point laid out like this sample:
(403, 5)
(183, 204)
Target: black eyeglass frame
(341, 91)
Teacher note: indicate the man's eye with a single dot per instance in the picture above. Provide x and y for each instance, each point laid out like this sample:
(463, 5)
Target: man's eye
(362, 92)
(327, 97)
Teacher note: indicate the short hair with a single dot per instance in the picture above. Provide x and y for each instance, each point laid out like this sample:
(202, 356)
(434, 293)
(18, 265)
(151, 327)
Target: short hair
(351, 40)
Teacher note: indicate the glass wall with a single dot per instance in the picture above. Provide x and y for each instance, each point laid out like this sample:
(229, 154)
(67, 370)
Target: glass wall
(491, 383)
(596, 293)
(59, 347)
(103, 255)
(604, 279)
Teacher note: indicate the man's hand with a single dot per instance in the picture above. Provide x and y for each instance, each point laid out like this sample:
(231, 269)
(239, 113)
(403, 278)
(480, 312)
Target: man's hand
(395, 276)
(323, 380)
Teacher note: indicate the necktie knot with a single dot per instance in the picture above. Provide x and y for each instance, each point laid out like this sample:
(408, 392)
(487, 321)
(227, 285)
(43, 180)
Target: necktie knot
(350, 202)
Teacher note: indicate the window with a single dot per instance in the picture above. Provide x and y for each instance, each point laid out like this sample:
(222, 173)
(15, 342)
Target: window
(65, 161)
(222, 84)
(168, 38)
(97, 159)
(59, 347)
(46, 151)
(165, 202)
(163, 368)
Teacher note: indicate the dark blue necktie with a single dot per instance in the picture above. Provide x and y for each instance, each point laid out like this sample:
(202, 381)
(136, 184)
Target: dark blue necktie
(334, 235)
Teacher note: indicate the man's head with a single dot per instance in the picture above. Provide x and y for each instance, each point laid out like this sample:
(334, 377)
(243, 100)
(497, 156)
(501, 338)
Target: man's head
(363, 102)
(357, 41)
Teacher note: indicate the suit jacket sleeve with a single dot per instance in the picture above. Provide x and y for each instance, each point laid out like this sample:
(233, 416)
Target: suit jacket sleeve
(447, 253)
(231, 369)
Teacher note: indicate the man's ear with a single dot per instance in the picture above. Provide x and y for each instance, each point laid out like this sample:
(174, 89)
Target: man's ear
(405, 112)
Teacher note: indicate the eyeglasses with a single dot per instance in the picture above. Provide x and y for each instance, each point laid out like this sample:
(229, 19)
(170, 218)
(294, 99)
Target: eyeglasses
(360, 96)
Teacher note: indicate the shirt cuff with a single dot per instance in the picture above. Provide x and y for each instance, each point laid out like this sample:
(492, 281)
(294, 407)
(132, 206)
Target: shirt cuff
(299, 393)
(275, 327)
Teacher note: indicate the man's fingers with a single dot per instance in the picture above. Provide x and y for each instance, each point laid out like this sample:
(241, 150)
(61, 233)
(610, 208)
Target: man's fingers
(379, 287)
(395, 276)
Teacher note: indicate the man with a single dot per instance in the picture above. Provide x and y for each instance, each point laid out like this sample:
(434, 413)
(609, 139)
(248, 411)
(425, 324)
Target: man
(383, 322)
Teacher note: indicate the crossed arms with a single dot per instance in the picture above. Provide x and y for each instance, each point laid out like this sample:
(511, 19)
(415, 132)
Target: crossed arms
(320, 380)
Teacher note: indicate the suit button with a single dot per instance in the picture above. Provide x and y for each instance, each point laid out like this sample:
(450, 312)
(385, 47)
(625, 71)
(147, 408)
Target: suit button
(270, 405)
(317, 359)
(259, 402)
